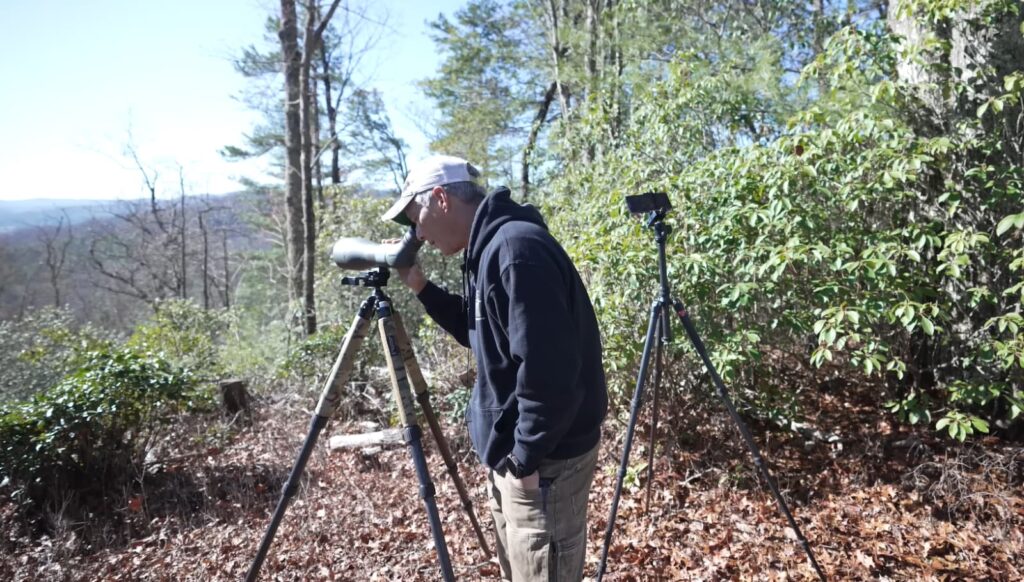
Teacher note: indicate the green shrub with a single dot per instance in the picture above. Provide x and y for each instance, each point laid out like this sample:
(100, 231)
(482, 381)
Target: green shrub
(312, 358)
(186, 335)
(38, 349)
(898, 250)
(85, 433)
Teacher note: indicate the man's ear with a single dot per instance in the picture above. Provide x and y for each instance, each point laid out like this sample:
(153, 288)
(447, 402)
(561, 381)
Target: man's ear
(441, 196)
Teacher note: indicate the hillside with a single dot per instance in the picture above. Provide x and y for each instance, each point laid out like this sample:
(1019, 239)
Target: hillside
(53, 249)
(19, 214)
(877, 503)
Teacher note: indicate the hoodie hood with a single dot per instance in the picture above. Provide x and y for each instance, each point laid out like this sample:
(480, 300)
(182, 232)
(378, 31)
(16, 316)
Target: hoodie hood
(495, 211)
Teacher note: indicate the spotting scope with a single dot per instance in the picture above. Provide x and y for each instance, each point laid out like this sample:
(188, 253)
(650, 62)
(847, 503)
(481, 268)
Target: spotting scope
(359, 253)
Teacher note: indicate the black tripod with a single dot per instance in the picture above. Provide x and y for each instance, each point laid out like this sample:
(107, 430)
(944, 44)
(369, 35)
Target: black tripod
(657, 206)
(404, 370)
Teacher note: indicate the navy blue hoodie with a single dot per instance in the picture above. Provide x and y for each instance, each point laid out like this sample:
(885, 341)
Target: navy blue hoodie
(540, 387)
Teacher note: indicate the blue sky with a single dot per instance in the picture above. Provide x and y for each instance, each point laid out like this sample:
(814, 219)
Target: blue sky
(77, 76)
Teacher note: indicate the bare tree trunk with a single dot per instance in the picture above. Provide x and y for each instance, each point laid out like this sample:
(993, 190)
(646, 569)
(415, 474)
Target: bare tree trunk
(818, 42)
(977, 56)
(593, 15)
(557, 52)
(593, 81)
(531, 142)
(308, 211)
(332, 118)
(184, 264)
(56, 254)
(618, 65)
(154, 208)
(206, 263)
(314, 134)
(227, 271)
(289, 34)
(313, 35)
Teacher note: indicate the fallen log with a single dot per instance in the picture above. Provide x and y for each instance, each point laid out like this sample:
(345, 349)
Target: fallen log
(367, 440)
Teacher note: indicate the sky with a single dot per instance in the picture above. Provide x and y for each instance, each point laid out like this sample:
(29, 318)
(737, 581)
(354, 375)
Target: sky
(81, 80)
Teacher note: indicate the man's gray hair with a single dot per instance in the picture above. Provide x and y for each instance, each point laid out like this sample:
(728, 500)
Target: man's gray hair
(468, 192)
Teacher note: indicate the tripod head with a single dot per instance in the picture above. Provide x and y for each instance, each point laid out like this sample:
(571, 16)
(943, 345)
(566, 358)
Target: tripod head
(375, 278)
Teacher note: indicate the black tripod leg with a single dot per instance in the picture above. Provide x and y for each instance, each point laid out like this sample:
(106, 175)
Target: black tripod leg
(290, 487)
(745, 432)
(656, 311)
(328, 401)
(412, 435)
(406, 411)
(662, 335)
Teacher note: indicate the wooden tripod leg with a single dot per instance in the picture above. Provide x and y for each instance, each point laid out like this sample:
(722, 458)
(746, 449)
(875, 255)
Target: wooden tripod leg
(342, 369)
(419, 385)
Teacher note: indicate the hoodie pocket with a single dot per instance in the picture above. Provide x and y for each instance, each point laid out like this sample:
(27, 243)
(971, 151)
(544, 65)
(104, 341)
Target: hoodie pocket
(480, 422)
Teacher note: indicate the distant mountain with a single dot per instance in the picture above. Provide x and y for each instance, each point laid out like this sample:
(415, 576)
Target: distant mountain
(15, 214)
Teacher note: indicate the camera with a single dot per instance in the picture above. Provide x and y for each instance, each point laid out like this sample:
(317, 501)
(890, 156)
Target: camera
(648, 202)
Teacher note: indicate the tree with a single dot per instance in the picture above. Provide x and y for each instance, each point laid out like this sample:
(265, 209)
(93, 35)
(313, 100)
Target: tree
(490, 83)
(349, 37)
(173, 244)
(372, 139)
(315, 53)
(142, 252)
(56, 240)
(293, 179)
(312, 40)
(512, 68)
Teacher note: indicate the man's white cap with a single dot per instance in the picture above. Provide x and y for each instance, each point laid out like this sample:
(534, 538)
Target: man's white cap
(426, 175)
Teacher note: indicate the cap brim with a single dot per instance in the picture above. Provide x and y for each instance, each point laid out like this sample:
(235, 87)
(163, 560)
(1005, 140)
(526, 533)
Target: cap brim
(397, 211)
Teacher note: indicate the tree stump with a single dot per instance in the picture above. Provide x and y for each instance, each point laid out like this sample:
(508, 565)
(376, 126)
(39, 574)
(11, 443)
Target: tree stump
(235, 397)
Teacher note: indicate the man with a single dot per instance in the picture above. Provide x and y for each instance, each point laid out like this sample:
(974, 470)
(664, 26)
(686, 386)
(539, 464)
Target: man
(535, 413)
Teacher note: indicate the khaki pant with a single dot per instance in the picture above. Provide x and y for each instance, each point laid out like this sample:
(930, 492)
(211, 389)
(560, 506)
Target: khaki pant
(542, 533)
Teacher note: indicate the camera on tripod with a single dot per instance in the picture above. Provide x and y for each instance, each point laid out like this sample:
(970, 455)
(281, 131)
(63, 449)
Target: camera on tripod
(656, 202)
(659, 333)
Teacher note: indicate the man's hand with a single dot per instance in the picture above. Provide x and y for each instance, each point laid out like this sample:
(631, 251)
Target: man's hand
(531, 481)
(413, 276)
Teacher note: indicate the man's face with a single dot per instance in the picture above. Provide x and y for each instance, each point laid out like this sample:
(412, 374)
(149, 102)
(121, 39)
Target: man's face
(432, 214)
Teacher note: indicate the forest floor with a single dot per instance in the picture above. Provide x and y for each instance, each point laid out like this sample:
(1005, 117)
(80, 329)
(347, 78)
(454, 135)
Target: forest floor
(879, 502)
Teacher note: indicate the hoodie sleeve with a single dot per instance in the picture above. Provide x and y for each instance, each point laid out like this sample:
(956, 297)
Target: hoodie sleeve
(448, 310)
(542, 340)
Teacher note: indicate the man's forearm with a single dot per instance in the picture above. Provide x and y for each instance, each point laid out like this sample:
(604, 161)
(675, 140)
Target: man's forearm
(447, 309)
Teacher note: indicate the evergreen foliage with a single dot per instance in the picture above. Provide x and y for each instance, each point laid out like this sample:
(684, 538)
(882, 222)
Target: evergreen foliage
(84, 435)
(40, 348)
(827, 210)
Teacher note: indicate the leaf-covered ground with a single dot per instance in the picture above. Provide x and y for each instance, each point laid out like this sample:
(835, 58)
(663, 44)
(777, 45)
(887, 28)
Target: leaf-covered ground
(879, 503)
